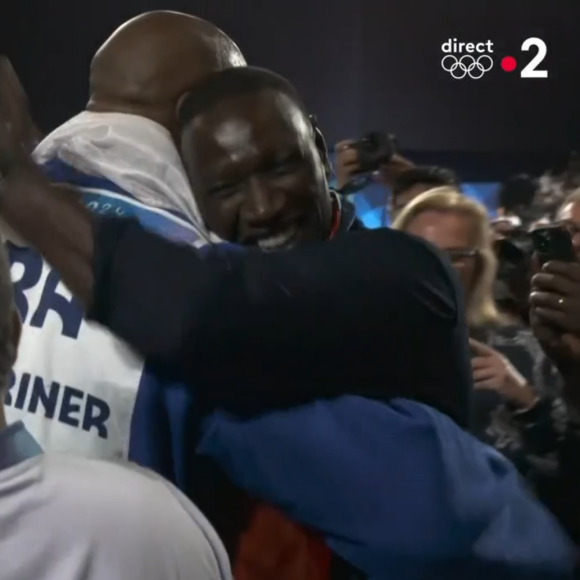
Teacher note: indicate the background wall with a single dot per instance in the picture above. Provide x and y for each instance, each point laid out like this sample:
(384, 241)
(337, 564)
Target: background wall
(371, 203)
(361, 65)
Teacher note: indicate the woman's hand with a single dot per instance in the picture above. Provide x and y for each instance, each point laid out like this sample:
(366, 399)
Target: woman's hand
(493, 371)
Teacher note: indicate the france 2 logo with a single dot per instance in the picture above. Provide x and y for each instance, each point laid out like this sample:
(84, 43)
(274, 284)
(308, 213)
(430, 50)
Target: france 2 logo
(473, 59)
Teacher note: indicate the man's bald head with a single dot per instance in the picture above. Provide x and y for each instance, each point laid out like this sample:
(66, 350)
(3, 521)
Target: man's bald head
(146, 66)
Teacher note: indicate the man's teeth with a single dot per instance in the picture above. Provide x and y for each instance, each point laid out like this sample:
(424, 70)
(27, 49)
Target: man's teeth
(277, 241)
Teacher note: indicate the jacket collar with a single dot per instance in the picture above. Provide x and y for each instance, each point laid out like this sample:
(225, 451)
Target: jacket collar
(347, 214)
(17, 445)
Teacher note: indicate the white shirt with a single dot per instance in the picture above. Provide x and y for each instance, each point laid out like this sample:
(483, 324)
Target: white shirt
(65, 518)
(74, 384)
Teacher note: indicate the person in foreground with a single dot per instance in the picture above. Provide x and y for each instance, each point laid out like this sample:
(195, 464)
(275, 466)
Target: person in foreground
(64, 518)
(413, 496)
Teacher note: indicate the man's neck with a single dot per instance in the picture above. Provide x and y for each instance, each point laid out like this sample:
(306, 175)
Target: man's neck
(155, 114)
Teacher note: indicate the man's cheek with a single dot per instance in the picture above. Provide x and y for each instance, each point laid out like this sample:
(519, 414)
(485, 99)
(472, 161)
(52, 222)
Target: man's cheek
(222, 220)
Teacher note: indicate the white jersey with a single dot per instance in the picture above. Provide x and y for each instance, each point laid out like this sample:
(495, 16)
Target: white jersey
(66, 518)
(74, 384)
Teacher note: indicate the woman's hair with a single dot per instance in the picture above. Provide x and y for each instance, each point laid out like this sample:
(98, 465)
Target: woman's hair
(481, 307)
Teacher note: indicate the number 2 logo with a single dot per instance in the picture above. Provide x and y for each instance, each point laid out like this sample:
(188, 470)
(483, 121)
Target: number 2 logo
(530, 71)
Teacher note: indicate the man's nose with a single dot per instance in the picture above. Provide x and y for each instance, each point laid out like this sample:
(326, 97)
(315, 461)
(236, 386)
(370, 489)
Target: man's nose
(262, 204)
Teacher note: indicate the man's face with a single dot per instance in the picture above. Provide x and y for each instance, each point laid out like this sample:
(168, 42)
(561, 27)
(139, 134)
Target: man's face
(255, 171)
(405, 197)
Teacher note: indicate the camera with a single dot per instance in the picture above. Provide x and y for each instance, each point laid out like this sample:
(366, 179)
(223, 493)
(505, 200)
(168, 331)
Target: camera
(553, 243)
(514, 256)
(373, 150)
(513, 253)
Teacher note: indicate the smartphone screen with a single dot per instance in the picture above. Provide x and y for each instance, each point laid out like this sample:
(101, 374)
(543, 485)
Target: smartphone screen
(553, 243)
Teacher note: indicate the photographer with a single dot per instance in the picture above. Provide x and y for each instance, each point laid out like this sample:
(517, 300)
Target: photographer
(405, 180)
(375, 153)
(555, 321)
(555, 305)
(373, 157)
(514, 409)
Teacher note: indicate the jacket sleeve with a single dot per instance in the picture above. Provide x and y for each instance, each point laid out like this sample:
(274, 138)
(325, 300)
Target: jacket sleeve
(397, 490)
(249, 323)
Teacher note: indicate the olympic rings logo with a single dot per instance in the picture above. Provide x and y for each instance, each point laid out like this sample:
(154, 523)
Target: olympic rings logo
(467, 65)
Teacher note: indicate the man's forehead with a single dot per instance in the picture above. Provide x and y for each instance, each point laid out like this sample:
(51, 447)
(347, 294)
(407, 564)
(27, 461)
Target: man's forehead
(269, 113)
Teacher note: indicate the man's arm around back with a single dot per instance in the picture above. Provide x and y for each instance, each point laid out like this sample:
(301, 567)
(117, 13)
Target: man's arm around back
(366, 313)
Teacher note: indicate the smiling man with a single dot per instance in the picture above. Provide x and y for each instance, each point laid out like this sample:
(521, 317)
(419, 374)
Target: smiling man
(254, 183)
(257, 179)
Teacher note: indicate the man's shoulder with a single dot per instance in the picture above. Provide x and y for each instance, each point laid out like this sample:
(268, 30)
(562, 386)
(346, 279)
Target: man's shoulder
(120, 504)
(104, 494)
(396, 238)
(104, 520)
(411, 256)
(121, 483)
(75, 480)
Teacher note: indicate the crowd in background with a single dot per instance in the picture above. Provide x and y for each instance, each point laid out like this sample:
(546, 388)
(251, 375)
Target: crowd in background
(518, 401)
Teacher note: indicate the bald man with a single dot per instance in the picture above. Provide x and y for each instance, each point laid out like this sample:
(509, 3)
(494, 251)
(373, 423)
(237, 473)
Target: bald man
(74, 384)
(150, 62)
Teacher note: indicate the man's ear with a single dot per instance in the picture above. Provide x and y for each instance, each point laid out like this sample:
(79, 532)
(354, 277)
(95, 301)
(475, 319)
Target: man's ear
(320, 145)
(181, 109)
(177, 119)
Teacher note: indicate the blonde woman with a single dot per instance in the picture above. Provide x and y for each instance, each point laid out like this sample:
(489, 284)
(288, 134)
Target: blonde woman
(513, 409)
(459, 226)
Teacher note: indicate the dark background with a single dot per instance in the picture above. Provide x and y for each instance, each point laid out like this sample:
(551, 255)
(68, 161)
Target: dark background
(360, 65)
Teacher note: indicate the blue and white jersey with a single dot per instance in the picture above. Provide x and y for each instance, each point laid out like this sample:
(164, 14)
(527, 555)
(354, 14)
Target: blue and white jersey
(74, 384)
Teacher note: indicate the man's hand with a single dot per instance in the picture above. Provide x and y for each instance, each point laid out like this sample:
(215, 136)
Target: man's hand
(555, 297)
(492, 371)
(14, 104)
(14, 117)
(389, 172)
(555, 312)
(55, 224)
(346, 165)
(555, 320)
(345, 162)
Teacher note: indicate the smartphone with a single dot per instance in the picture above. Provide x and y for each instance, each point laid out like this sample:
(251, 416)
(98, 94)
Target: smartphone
(553, 243)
